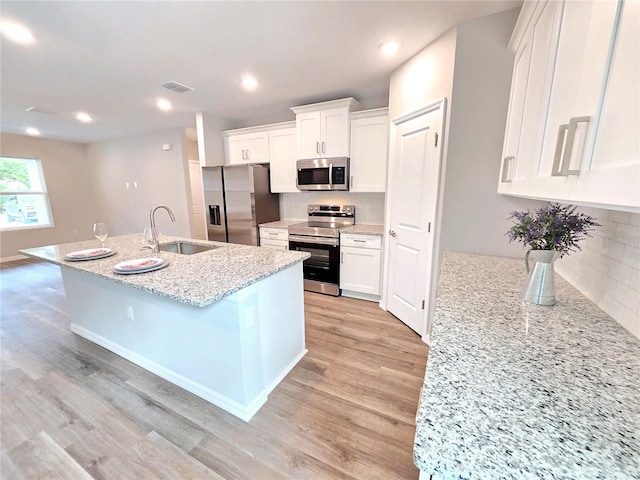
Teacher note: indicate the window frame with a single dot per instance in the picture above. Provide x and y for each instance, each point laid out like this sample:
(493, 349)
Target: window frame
(43, 193)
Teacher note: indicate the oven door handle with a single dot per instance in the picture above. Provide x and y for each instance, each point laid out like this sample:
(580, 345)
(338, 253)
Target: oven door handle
(334, 242)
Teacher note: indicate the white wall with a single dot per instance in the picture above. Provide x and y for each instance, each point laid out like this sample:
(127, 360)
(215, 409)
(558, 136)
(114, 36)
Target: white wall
(369, 206)
(73, 203)
(474, 216)
(161, 176)
(607, 269)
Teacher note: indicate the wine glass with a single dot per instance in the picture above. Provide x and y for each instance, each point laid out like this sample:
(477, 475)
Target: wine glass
(100, 232)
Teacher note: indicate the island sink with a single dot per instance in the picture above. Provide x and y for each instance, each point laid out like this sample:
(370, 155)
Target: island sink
(185, 248)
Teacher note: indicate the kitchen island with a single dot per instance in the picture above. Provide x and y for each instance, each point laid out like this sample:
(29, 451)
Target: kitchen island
(225, 324)
(520, 391)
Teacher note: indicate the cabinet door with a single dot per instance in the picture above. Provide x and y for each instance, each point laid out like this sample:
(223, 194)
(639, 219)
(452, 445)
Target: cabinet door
(257, 147)
(235, 150)
(282, 160)
(369, 154)
(335, 132)
(544, 32)
(514, 116)
(308, 133)
(360, 270)
(612, 175)
(586, 36)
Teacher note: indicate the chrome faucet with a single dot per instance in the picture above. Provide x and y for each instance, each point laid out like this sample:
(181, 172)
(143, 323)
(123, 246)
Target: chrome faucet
(152, 221)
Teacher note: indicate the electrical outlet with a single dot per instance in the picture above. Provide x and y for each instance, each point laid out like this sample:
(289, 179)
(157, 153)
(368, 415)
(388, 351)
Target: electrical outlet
(129, 312)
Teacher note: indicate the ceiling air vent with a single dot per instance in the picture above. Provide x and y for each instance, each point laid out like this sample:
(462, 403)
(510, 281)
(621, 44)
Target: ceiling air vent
(40, 110)
(177, 87)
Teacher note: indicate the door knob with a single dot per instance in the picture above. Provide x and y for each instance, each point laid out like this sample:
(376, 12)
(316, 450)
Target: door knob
(392, 233)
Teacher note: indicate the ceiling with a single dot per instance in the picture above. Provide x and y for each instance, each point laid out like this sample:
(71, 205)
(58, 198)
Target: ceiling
(110, 59)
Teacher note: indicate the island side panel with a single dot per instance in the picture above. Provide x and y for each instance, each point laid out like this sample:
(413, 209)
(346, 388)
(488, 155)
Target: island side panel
(216, 352)
(282, 325)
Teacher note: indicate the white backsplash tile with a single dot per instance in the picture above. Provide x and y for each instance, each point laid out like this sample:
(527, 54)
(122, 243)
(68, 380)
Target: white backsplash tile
(607, 269)
(369, 206)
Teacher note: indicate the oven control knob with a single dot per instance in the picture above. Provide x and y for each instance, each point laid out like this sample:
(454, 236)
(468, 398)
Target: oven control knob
(316, 209)
(349, 212)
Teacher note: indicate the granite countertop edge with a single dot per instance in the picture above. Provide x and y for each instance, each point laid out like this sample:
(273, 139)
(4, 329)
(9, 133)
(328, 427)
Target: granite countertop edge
(520, 391)
(364, 229)
(230, 267)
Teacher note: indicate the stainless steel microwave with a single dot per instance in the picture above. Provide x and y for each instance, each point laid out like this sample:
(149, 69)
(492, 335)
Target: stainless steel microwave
(323, 174)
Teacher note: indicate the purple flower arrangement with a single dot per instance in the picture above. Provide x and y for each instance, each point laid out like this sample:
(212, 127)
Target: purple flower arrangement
(553, 227)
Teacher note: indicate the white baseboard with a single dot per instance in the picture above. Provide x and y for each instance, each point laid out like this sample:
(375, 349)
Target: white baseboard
(361, 296)
(12, 259)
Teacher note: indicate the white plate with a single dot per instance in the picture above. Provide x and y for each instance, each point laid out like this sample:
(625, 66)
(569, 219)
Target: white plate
(89, 254)
(140, 265)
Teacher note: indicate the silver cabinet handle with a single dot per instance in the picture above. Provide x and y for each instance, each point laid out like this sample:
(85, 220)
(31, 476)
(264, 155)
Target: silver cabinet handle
(317, 147)
(507, 169)
(341, 257)
(564, 147)
(271, 233)
(248, 154)
(556, 170)
(323, 149)
(359, 241)
(392, 233)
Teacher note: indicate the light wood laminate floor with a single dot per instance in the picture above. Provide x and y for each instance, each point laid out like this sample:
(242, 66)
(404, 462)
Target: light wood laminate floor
(71, 409)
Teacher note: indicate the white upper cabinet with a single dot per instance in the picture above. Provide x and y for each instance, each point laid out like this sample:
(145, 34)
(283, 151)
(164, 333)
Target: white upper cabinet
(572, 127)
(369, 150)
(282, 159)
(245, 148)
(323, 129)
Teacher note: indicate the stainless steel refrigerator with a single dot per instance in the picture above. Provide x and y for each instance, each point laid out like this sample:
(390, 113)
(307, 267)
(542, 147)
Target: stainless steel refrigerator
(237, 200)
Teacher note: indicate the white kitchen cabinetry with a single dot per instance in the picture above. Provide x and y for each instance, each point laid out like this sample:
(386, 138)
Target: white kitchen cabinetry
(276, 238)
(369, 150)
(323, 129)
(282, 159)
(572, 128)
(360, 265)
(245, 148)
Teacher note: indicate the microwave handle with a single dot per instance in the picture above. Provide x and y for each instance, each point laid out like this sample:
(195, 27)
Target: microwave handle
(330, 175)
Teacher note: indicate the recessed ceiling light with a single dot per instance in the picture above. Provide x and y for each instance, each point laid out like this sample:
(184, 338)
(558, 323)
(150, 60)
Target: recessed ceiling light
(389, 48)
(16, 32)
(249, 82)
(84, 117)
(164, 104)
(33, 131)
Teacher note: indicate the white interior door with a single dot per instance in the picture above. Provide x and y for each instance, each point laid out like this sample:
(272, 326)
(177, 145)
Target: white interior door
(414, 179)
(198, 221)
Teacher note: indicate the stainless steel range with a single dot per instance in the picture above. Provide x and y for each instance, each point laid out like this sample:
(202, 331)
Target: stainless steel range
(320, 236)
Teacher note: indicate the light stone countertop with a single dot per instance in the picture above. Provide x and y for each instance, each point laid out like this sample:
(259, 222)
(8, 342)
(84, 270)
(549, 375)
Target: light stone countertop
(199, 280)
(283, 224)
(362, 229)
(520, 391)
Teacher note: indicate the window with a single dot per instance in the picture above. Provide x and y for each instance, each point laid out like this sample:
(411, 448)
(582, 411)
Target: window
(23, 194)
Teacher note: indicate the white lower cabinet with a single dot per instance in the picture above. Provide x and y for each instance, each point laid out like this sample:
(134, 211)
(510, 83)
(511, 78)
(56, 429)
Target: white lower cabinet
(360, 266)
(276, 238)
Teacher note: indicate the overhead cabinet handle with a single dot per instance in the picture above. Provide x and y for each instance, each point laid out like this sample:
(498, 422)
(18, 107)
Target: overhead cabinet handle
(564, 148)
(323, 148)
(317, 147)
(507, 169)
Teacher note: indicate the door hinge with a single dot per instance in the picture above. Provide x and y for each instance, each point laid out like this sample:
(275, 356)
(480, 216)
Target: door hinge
(436, 144)
(423, 304)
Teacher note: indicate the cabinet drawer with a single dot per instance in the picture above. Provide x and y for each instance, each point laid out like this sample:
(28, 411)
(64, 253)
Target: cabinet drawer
(274, 233)
(275, 244)
(361, 241)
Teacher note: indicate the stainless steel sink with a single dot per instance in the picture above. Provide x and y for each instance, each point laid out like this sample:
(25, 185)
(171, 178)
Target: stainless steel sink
(185, 248)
